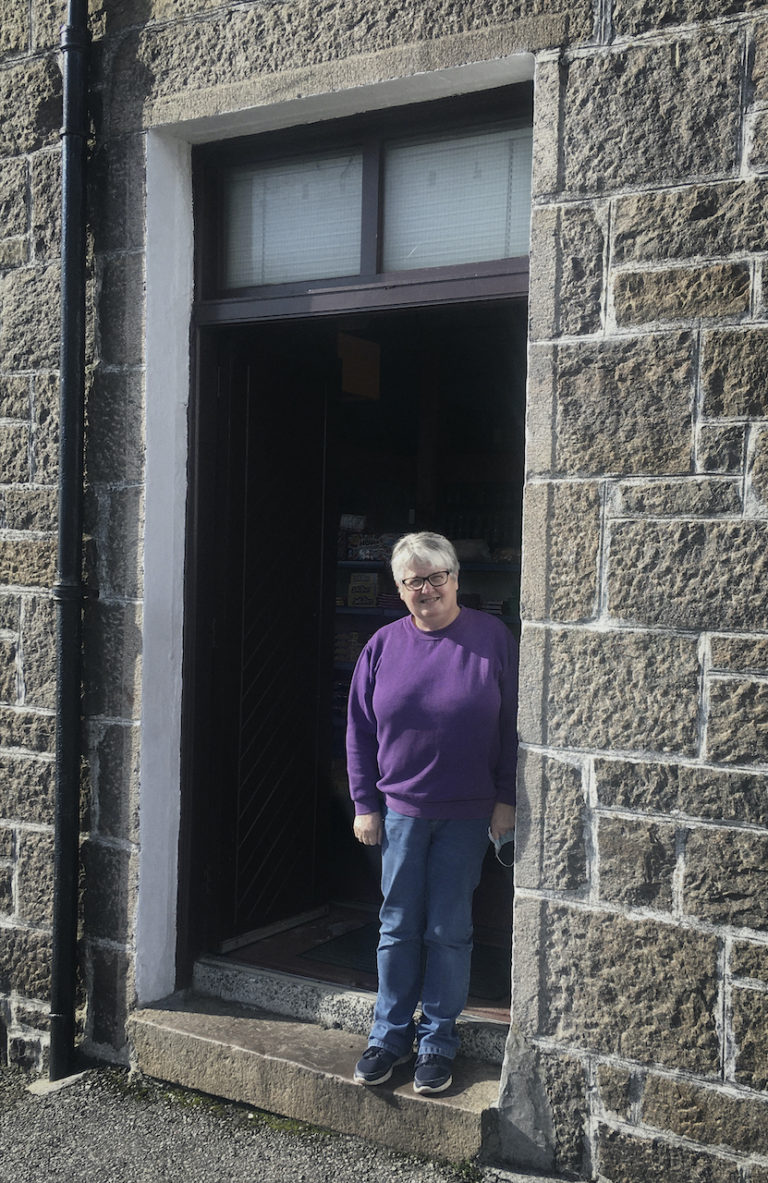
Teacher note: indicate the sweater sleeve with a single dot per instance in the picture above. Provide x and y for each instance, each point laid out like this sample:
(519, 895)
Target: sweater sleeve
(506, 769)
(362, 741)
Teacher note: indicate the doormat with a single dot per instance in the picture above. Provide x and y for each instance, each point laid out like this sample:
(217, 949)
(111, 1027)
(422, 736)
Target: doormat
(356, 950)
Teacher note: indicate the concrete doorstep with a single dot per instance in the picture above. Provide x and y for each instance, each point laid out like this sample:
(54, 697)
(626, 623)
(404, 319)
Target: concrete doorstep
(302, 1070)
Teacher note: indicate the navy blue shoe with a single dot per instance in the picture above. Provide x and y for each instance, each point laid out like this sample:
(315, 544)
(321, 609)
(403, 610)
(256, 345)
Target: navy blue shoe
(376, 1065)
(433, 1074)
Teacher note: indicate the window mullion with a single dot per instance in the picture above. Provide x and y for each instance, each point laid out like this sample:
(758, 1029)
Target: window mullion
(370, 213)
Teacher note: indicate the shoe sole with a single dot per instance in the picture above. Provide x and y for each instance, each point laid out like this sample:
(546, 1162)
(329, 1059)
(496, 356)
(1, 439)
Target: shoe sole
(433, 1088)
(381, 1079)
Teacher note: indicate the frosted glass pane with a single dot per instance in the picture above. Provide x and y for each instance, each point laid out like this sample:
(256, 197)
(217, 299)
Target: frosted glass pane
(461, 199)
(299, 219)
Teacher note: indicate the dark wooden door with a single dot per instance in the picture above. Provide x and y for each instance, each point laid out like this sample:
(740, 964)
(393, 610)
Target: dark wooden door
(268, 667)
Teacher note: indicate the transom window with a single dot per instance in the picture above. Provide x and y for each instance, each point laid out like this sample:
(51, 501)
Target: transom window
(388, 200)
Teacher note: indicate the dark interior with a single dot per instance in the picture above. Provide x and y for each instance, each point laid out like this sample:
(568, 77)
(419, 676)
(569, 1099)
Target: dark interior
(321, 441)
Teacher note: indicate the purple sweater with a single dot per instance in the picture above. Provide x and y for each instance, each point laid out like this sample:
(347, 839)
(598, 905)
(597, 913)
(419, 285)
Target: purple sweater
(432, 719)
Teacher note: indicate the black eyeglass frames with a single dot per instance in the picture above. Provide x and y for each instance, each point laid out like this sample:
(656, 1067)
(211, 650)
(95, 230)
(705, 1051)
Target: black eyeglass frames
(416, 582)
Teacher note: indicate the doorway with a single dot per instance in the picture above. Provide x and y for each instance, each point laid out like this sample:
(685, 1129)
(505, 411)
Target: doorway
(318, 442)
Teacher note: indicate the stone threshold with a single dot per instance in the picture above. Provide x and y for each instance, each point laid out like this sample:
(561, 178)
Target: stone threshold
(326, 1004)
(303, 1070)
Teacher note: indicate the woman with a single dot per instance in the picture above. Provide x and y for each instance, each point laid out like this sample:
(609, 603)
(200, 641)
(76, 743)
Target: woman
(431, 754)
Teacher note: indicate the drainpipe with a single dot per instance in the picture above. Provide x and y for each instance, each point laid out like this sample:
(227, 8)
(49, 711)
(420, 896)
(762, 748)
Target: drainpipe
(68, 590)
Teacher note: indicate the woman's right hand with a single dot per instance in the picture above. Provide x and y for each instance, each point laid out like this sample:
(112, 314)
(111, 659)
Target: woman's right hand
(367, 828)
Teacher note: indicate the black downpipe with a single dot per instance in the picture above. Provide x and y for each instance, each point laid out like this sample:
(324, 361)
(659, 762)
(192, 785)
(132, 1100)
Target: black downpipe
(68, 591)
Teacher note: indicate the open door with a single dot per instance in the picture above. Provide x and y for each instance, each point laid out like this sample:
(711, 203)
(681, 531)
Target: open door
(259, 763)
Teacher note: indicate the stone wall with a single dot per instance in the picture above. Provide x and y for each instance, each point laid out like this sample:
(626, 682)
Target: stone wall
(29, 335)
(641, 991)
(638, 1046)
(30, 200)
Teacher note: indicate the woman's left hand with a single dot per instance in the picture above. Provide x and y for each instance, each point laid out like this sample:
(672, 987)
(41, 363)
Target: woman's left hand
(502, 819)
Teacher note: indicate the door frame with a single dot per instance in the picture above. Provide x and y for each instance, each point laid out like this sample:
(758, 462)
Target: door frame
(172, 369)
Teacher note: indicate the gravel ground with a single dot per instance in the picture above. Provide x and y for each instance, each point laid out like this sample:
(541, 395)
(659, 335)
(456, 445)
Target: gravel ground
(109, 1126)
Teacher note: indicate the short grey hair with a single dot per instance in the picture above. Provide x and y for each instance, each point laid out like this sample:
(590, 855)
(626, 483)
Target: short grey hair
(424, 547)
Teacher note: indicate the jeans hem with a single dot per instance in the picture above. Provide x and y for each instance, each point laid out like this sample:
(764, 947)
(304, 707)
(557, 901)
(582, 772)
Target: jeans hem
(388, 1047)
(429, 1050)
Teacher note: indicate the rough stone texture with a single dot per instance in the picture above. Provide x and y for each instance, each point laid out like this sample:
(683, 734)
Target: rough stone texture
(14, 30)
(720, 290)
(617, 1088)
(120, 542)
(6, 890)
(34, 1016)
(14, 397)
(632, 17)
(758, 143)
(737, 729)
(705, 793)
(121, 297)
(627, 1159)
(567, 274)
(25, 962)
(706, 1115)
(26, 729)
(109, 891)
(620, 107)
(46, 202)
(555, 1085)
(9, 613)
(38, 633)
(29, 509)
(726, 878)
(37, 119)
(160, 60)
(735, 372)
(750, 1030)
(550, 834)
(46, 205)
(112, 660)
(759, 76)
(609, 690)
(693, 497)
(45, 435)
(8, 672)
(6, 842)
(561, 540)
(637, 863)
(116, 758)
(35, 905)
(14, 452)
(28, 788)
(27, 562)
(634, 989)
(696, 220)
(115, 444)
(113, 996)
(13, 195)
(739, 654)
(759, 472)
(116, 187)
(749, 961)
(711, 575)
(29, 327)
(614, 407)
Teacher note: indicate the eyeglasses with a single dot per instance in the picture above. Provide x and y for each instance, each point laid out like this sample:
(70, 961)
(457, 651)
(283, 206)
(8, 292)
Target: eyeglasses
(416, 582)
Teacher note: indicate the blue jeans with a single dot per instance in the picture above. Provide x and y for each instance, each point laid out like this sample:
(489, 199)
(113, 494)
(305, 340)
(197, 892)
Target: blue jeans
(429, 871)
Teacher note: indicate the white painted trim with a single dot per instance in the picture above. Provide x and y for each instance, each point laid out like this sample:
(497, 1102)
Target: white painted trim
(169, 294)
(169, 280)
